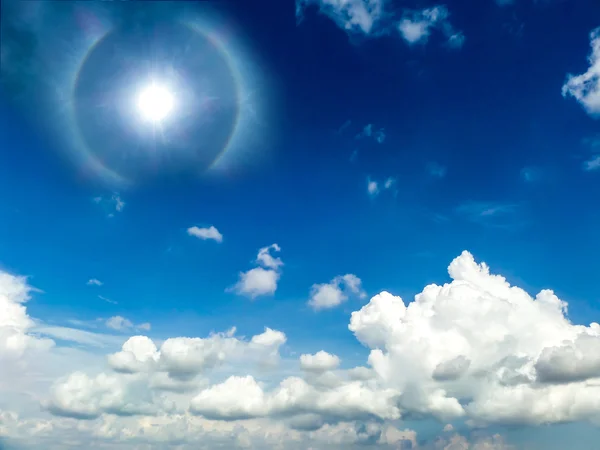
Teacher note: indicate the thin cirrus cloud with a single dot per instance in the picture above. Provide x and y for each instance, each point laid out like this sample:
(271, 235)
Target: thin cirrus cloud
(208, 233)
(585, 88)
(492, 214)
(261, 280)
(94, 282)
(374, 18)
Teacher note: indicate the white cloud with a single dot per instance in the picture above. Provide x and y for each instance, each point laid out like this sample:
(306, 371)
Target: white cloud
(113, 204)
(353, 16)
(416, 26)
(260, 280)
(206, 233)
(531, 174)
(374, 18)
(493, 214)
(374, 187)
(474, 349)
(15, 323)
(119, 323)
(585, 88)
(94, 282)
(491, 343)
(319, 362)
(107, 300)
(334, 293)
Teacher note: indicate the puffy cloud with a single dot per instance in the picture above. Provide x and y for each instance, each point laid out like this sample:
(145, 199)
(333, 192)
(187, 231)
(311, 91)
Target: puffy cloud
(374, 18)
(319, 362)
(416, 26)
(184, 357)
(480, 348)
(260, 280)
(243, 397)
(334, 293)
(354, 16)
(374, 187)
(210, 233)
(585, 88)
(15, 323)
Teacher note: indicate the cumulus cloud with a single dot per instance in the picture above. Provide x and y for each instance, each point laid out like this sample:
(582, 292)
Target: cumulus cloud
(585, 88)
(319, 362)
(474, 349)
(332, 294)
(210, 233)
(261, 280)
(478, 338)
(416, 26)
(15, 323)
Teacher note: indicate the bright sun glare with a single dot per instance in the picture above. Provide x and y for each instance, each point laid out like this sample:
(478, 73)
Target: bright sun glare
(155, 102)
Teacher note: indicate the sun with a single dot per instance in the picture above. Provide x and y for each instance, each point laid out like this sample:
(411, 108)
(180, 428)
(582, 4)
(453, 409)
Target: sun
(155, 102)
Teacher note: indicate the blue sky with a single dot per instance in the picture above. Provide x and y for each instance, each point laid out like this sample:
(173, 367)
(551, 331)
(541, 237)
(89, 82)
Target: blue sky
(373, 143)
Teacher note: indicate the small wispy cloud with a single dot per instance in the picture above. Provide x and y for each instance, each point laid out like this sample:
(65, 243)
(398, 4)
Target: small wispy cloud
(494, 214)
(94, 282)
(344, 127)
(436, 170)
(531, 174)
(209, 233)
(120, 323)
(378, 135)
(111, 204)
(592, 164)
(107, 300)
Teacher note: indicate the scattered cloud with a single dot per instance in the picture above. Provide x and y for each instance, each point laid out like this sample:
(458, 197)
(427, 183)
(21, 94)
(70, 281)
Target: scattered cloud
(436, 170)
(416, 26)
(94, 282)
(370, 18)
(332, 294)
(206, 233)
(112, 204)
(353, 16)
(369, 132)
(474, 350)
(585, 88)
(374, 188)
(261, 280)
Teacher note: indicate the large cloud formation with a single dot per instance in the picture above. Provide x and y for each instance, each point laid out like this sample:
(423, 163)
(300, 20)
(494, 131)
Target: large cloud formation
(475, 349)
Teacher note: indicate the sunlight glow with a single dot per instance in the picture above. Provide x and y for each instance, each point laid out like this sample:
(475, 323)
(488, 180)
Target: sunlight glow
(155, 102)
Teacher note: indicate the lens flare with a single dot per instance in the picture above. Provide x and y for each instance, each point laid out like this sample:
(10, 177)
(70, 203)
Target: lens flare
(155, 102)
